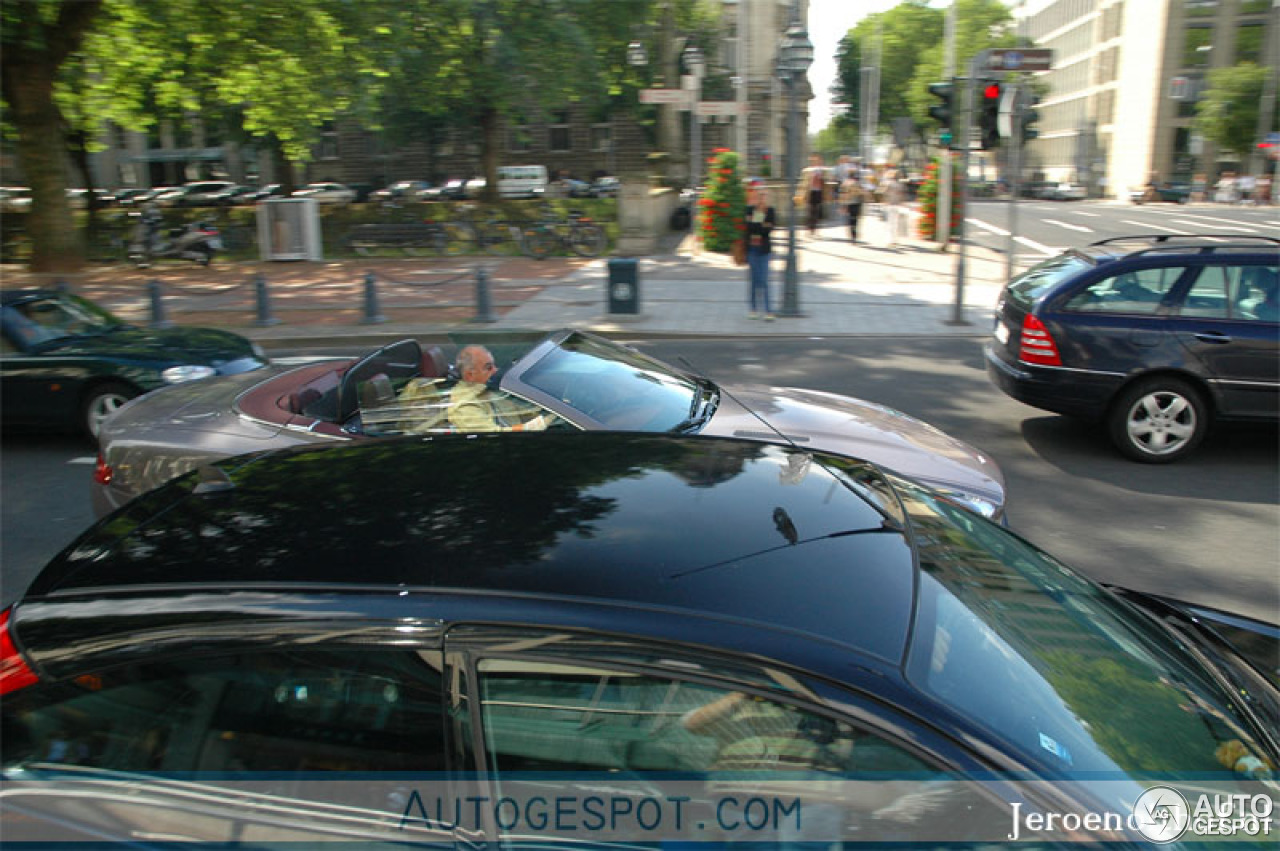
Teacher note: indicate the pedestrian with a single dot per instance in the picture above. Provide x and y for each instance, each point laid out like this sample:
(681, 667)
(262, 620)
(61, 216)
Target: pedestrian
(761, 219)
(1262, 195)
(815, 183)
(895, 197)
(852, 197)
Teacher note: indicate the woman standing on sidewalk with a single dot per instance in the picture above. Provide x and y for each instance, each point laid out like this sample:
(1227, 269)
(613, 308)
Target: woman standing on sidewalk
(851, 197)
(760, 221)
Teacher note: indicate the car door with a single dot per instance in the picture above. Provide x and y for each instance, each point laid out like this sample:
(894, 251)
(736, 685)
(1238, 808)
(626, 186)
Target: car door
(1117, 322)
(245, 732)
(1218, 320)
(36, 388)
(639, 742)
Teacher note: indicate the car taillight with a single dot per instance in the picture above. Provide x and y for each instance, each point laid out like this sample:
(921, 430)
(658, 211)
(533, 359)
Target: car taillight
(14, 673)
(1037, 344)
(102, 472)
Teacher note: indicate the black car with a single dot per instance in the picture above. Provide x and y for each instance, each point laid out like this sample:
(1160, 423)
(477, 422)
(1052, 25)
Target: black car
(352, 643)
(1155, 336)
(66, 361)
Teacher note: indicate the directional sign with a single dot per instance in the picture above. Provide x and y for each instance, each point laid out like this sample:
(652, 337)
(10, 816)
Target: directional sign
(718, 107)
(1020, 59)
(677, 96)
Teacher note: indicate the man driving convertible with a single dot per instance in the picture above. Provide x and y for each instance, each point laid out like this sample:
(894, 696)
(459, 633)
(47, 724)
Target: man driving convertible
(473, 407)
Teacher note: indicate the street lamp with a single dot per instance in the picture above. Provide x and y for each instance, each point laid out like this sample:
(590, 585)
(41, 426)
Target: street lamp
(794, 58)
(694, 61)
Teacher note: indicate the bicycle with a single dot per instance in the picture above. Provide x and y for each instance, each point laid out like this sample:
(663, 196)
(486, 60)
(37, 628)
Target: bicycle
(415, 239)
(577, 233)
(494, 235)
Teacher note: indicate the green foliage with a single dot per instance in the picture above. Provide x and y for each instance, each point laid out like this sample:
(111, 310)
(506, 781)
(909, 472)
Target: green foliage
(1227, 115)
(720, 219)
(929, 202)
(980, 24)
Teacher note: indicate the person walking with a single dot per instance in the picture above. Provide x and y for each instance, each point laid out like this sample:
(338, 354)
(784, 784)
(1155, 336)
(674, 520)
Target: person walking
(761, 219)
(852, 198)
(895, 198)
(815, 184)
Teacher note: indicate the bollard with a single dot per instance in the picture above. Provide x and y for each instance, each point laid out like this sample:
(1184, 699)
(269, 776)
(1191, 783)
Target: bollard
(158, 319)
(264, 302)
(371, 313)
(484, 307)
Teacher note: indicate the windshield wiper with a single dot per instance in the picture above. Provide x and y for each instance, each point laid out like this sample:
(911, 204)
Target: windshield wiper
(704, 404)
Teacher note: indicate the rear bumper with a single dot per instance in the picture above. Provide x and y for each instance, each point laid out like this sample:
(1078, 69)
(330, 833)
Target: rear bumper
(1075, 393)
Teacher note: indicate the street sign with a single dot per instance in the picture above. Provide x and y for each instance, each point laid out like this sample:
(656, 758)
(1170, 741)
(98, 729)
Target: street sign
(676, 96)
(719, 107)
(1020, 59)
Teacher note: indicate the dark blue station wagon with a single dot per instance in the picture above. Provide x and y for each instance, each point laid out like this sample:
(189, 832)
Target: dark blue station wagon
(1155, 336)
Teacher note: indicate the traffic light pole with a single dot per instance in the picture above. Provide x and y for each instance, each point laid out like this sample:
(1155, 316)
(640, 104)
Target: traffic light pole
(966, 131)
(943, 214)
(1015, 167)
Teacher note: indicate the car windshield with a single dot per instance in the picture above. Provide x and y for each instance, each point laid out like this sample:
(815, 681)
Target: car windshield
(43, 320)
(1027, 287)
(619, 387)
(1064, 670)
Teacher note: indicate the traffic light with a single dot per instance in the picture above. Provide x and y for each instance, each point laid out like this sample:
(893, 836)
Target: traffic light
(942, 111)
(989, 113)
(1030, 115)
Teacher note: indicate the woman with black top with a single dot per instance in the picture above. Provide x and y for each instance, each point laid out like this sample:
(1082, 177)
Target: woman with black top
(760, 221)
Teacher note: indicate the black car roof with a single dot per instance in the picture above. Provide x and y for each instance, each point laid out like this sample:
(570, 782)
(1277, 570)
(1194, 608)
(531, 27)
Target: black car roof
(1129, 247)
(724, 528)
(8, 297)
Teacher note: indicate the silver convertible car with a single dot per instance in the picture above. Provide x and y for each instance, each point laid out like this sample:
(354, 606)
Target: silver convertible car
(570, 379)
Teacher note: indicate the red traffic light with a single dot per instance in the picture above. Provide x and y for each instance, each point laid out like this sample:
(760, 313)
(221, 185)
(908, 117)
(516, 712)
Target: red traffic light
(992, 91)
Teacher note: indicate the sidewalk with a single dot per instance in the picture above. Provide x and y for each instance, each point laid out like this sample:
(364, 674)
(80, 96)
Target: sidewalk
(868, 288)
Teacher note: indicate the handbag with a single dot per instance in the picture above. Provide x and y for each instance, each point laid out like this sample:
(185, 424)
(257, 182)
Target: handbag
(740, 252)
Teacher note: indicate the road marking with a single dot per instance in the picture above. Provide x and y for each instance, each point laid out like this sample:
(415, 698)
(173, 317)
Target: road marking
(1083, 213)
(997, 231)
(87, 460)
(1032, 244)
(1231, 222)
(1157, 227)
(1081, 228)
(1236, 226)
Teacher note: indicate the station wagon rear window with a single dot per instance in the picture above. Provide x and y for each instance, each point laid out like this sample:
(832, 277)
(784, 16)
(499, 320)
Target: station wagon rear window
(1031, 284)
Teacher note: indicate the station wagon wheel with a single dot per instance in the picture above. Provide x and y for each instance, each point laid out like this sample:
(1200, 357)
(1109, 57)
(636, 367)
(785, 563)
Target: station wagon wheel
(103, 401)
(1158, 420)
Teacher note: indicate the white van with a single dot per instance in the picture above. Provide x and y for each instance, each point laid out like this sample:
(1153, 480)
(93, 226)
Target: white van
(521, 181)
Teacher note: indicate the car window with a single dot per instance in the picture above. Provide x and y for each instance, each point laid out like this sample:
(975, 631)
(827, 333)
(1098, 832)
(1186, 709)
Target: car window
(996, 617)
(279, 712)
(1214, 293)
(441, 406)
(1031, 284)
(1259, 294)
(1132, 291)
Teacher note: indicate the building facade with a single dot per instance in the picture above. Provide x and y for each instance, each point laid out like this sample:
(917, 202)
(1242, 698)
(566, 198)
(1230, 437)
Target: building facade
(1126, 77)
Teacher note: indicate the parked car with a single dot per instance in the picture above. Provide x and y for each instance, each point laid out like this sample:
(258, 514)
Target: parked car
(605, 187)
(1173, 193)
(1154, 336)
(574, 188)
(577, 381)
(295, 645)
(232, 195)
(327, 193)
(69, 363)
(453, 189)
(475, 187)
(15, 199)
(403, 190)
(1065, 192)
(129, 197)
(208, 193)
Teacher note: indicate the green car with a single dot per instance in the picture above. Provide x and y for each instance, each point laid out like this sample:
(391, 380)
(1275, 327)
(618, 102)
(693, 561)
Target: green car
(68, 362)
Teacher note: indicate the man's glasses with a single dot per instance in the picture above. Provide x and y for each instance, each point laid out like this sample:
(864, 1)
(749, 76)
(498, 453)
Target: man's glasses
(488, 367)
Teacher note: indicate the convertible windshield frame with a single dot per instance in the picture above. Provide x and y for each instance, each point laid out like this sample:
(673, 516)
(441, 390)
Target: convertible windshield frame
(23, 325)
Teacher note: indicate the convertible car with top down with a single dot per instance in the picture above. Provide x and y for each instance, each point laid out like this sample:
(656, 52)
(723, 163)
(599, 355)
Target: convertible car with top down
(571, 380)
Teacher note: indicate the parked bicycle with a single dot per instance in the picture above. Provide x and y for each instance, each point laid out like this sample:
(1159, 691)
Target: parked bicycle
(577, 233)
(494, 235)
(417, 239)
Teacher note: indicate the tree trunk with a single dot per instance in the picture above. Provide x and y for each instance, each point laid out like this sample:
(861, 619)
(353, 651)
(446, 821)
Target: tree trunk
(490, 145)
(41, 155)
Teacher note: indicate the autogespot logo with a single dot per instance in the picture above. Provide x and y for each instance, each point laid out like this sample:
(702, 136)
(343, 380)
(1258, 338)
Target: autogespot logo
(1161, 814)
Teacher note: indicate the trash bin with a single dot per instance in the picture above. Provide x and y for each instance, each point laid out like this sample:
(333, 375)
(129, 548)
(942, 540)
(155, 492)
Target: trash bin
(624, 285)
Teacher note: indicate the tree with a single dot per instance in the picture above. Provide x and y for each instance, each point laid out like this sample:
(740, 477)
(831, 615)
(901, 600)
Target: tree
(1227, 114)
(37, 37)
(980, 25)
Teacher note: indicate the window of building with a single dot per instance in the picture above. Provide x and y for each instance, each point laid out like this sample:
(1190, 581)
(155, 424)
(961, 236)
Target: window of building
(1249, 43)
(1248, 6)
(560, 136)
(329, 149)
(1202, 8)
(601, 138)
(1196, 47)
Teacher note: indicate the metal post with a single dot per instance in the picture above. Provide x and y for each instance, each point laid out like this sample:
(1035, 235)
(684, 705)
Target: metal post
(791, 278)
(484, 306)
(264, 302)
(943, 218)
(966, 128)
(158, 319)
(372, 314)
(1015, 169)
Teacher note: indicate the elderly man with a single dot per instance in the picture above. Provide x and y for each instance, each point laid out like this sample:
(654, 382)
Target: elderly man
(471, 403)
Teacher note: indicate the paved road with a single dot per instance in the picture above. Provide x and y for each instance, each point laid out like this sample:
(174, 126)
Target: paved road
(1045, 228)
(1207, 529)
